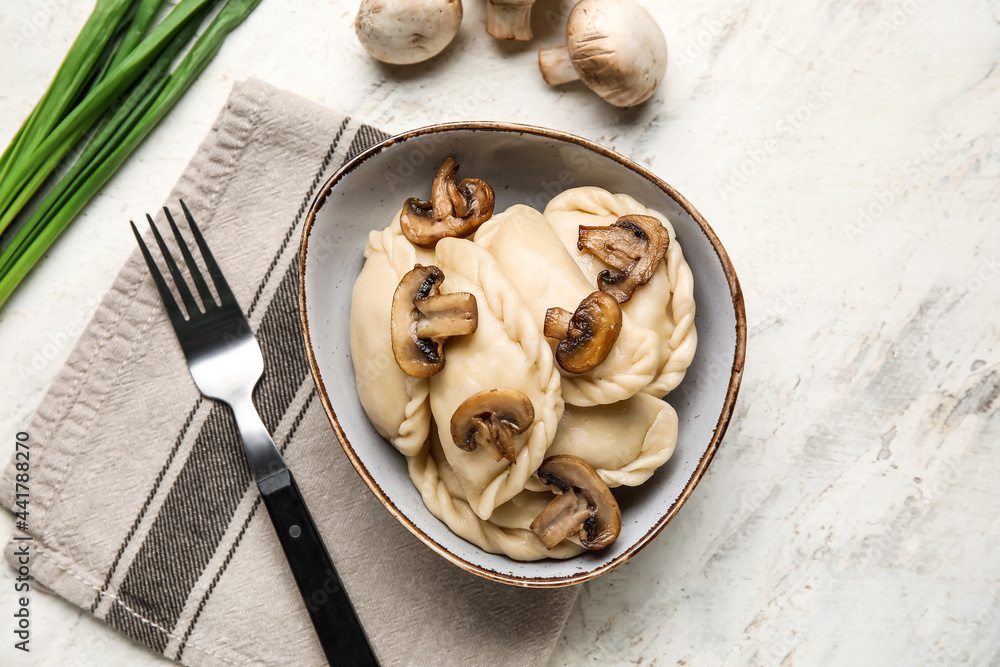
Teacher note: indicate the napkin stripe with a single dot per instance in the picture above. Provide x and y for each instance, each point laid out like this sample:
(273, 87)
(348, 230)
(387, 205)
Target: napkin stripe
(146, 504)
(215, 476)
(260, 289)
(239, 536)
(282, 345)
(201, 503)
(366, 137)
(303, 207)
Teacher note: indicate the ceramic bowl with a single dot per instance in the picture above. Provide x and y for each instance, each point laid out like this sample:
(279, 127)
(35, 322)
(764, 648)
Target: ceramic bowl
(525, 165)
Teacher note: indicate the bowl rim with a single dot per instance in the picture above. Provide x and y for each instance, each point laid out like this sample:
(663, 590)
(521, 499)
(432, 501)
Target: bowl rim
(359, 466)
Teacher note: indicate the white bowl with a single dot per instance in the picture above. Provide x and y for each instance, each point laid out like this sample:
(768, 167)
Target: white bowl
(525, 165)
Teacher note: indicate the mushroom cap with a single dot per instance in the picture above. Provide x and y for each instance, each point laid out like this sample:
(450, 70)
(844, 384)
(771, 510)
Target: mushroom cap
(566, 474)
(618, 50)
(589, 335)
(454, 209)
(634, 245)
(490, 419)
(403, 32)
(418, 344)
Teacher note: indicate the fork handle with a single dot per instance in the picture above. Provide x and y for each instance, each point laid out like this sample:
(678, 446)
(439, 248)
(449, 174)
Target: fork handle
(337, 626)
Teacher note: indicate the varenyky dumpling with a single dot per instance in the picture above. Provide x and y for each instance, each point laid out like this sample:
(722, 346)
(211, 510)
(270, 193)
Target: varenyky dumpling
(532, 257)
(518, 265)
(506, 351)
(625, 442)
(665, 304)
(506, 532)
(396, 403)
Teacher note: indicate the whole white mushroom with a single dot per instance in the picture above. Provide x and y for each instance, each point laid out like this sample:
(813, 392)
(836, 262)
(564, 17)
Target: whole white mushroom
(403, 32)
(614, 46)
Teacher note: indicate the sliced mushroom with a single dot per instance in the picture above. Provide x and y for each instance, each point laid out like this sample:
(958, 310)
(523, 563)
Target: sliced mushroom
(509, 19)
(491, 419)
(614, 46)
(586, 336)
(423, 318)
(634, 245)
(454, 209)
(403, 32)
(583, 505)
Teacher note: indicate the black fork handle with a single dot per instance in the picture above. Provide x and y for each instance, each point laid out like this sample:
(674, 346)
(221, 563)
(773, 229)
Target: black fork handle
(337, 626)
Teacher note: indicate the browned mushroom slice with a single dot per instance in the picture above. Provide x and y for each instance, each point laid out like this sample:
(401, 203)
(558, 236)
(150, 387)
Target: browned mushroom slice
(454, 209)
(583, 505)
(586, 336)
(634, 245)
(423, 318)
(490, 419)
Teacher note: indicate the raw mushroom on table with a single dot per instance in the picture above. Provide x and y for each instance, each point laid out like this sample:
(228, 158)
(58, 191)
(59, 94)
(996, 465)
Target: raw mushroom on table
(614, 46)
(403, 32)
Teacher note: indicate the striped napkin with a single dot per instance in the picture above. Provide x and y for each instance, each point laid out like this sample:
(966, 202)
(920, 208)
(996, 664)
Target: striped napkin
(143, 510)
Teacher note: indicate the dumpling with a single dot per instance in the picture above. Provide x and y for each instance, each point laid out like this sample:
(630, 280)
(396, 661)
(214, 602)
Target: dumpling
(625, 442)
(506, 351)
(506, 532)
(665, 304)
(534, 260)
(396, 404)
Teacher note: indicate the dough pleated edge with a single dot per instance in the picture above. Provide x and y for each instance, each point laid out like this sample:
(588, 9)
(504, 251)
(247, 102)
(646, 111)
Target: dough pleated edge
(683, 340)
(657, 448)
(518, 543)
(595, 387)
(412, 433)
(504, 302)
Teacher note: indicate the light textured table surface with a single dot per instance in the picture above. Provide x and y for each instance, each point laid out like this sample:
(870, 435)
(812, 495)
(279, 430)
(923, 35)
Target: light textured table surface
(845, 152)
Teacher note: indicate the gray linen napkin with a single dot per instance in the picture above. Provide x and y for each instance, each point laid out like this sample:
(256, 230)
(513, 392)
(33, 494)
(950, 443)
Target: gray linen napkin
(142, 507)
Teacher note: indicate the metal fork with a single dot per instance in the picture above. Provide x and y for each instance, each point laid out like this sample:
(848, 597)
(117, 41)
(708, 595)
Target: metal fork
(226, 364)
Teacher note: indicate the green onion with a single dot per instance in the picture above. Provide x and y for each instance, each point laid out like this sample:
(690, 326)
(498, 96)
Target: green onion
(144, 15)
(149, 99)
(26, 176)
(110, 134)
(73, 75)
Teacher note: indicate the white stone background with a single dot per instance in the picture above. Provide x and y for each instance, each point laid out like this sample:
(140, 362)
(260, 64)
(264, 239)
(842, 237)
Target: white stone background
(846, 153)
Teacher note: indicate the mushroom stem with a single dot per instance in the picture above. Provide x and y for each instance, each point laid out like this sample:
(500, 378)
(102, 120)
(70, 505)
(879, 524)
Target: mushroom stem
(509, 19)
(634, 244)
(444, 328)
(422, 319)
(443, 188)
(557, 66)
(447, 315)
(557, 323)
(615, 245)
(500, 444)
(492, 434)
(562, 517)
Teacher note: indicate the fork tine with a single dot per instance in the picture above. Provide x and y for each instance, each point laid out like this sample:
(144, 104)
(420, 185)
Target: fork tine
(173, 310)
(226, 295)
(199, 280)
(189, 303)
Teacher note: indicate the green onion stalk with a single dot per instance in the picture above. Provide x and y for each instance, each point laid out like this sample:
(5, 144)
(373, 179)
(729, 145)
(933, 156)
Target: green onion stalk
(138, 76)
(69, 81)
